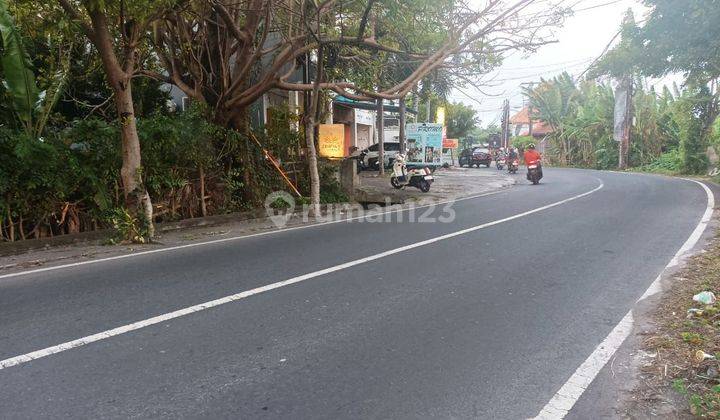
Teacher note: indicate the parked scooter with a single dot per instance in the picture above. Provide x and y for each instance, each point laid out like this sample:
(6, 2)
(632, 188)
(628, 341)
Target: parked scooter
(401, 177)
(513, 166)
(534, 173)
(500, 163)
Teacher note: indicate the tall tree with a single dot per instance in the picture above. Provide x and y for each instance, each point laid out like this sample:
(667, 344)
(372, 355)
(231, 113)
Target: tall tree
(116, 30)
(460, 120)
(229, 53)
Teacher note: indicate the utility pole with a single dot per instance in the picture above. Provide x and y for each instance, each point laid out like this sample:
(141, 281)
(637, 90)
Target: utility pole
(306, 80)
(402, 125)
(381, 134)
(505, 137)
(623, 95)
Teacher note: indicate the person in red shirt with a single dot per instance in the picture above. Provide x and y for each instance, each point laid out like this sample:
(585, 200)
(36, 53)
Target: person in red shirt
(532, 156)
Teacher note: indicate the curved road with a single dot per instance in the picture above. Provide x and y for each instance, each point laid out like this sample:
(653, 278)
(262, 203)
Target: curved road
(485, 319)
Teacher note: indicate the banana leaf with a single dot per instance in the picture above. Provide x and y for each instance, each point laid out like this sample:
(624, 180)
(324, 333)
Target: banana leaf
(18, 78)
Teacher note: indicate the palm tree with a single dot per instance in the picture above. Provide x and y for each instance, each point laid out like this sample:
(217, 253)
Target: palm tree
(553, 102)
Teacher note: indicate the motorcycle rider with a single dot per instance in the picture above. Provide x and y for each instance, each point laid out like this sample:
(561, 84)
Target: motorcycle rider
(512, 156)
(531, 155)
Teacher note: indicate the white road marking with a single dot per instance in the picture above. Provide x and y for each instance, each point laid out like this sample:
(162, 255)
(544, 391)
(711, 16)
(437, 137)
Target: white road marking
(235, 238)
(24, 358)
(564, 400)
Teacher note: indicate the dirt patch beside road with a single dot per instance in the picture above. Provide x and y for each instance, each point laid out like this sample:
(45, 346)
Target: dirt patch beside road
(450, 183)
(678, 372)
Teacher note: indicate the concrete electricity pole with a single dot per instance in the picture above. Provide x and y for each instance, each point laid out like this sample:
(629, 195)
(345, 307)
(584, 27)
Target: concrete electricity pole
(624, 141)
(402, 125)
(505, 139)
(381, 134)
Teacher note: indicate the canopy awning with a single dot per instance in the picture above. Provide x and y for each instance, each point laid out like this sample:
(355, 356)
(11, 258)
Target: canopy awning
(341, 100)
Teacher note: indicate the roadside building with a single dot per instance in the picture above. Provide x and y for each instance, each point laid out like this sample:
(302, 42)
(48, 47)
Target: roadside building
(523, 125)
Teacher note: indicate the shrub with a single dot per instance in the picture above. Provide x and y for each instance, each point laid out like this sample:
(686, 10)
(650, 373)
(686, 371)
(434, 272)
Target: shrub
(670, 162)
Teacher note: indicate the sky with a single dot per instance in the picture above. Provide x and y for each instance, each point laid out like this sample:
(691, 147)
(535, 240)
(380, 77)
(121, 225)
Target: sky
(581, 39)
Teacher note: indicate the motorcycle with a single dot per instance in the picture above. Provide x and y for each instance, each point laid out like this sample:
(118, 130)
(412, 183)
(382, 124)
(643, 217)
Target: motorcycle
(500, 163)
(401, 177)
(513, 166)
(534, 173)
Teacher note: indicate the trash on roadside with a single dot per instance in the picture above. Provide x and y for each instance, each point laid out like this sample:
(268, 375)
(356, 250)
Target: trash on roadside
(701, 356)
(694, 312)
(707, 298)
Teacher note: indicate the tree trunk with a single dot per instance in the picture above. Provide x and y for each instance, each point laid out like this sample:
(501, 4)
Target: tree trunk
(119, 76)
(20, 228)
(203, 207)
(137, 198)
(312, 166)
(11, 225)
(310, 118)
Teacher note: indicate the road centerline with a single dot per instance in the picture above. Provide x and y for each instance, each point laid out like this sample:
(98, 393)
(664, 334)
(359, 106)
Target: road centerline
(27, 357)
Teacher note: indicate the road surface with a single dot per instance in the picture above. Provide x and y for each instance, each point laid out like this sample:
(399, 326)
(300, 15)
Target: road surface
(484, 315)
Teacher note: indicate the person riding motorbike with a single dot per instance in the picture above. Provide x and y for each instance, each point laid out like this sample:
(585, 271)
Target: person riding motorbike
(512, 154)
(531, 156)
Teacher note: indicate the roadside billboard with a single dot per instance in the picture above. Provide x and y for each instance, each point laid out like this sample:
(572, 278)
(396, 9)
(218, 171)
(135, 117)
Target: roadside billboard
(331, 140)
(424, 143)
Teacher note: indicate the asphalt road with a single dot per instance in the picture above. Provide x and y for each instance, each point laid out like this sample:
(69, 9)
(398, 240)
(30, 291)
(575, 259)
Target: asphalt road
(485, 324)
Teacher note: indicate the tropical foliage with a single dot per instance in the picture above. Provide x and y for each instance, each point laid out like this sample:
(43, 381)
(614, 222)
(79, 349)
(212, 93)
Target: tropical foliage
(581, 116)
(671, 130)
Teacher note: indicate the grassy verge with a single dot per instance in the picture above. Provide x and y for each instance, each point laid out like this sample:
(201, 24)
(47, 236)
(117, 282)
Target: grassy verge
(684, 350)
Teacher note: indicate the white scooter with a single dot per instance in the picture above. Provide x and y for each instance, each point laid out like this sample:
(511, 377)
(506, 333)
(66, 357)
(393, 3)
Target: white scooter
(401, 177)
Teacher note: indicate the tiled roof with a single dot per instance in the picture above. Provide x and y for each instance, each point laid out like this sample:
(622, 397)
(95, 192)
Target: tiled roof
(539, 127)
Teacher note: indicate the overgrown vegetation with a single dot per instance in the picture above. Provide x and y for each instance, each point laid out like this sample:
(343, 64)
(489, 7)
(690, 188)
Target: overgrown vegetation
(669, 133)
(69, 181)
(671, 130)
(684, 346)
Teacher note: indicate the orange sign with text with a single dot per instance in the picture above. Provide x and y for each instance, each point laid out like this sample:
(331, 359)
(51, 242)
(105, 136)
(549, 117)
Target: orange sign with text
(450, 143)
(331, 141)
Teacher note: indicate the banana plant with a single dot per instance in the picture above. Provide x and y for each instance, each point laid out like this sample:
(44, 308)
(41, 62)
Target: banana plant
(31, 106)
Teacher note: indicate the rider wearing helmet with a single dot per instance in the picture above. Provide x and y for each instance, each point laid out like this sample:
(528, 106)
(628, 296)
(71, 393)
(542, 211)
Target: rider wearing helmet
(532, 156)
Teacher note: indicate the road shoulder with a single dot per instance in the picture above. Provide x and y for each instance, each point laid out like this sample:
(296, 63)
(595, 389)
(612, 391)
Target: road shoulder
(638, 380)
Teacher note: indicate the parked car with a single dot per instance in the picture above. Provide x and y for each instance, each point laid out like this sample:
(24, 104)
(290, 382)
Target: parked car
(475, 156)
(368, 158)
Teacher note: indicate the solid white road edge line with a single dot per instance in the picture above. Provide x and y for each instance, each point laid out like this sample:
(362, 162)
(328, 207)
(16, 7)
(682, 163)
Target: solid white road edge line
(24, 358)
(236, 238)
(564, 400)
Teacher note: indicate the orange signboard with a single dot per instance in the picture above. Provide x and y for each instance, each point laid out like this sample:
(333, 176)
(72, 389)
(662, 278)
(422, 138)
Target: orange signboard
(332, 140)
(450, 143)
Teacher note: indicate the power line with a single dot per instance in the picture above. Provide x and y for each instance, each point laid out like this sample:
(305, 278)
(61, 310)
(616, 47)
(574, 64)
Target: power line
(597, 6)
(576, 61)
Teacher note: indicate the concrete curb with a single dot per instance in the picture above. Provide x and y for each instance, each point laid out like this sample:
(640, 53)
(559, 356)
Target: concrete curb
(98, 236)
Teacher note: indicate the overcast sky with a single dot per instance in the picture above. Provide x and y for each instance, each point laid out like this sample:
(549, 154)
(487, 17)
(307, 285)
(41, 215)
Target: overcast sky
(581, 39)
